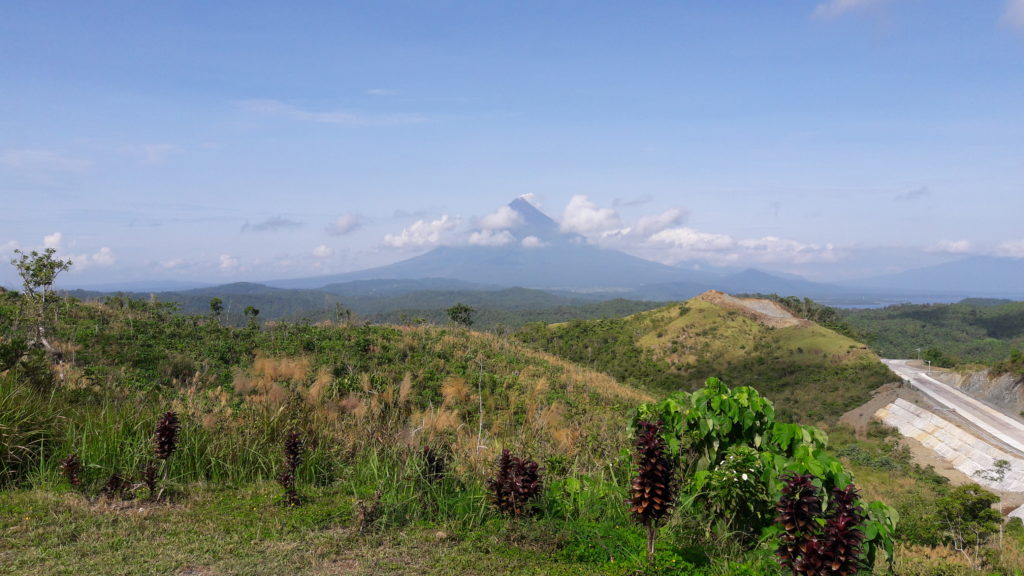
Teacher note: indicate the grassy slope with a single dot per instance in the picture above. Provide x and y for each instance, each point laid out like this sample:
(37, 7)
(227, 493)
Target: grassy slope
(812, 374)
(366, 398)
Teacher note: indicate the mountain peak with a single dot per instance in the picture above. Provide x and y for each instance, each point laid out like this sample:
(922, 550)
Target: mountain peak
(531, 215)
(538, 224)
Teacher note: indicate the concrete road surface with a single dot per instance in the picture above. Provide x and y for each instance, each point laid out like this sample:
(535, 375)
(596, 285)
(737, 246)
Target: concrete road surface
(992, 421)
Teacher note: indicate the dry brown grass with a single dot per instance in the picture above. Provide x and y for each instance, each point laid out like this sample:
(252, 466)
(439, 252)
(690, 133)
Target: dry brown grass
(320, 384)
(454, 390)
(281, 369)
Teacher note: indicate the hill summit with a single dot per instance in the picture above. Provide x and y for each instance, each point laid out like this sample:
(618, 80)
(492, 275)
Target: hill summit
(811, 373)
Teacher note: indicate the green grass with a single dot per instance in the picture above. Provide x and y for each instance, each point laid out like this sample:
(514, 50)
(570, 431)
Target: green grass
(243, 531)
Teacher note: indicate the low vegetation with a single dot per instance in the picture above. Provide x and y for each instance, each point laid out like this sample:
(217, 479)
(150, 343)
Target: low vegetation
(150, 442)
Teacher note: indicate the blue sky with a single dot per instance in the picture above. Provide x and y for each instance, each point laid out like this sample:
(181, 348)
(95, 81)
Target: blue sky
(246, 141)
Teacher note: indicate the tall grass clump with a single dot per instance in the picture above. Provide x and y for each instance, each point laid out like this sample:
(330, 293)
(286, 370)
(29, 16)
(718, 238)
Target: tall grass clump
(28, 422)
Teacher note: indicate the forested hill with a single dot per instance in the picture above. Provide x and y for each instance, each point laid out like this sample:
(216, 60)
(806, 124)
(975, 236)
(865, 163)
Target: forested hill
(981, 331)
(813, 374)
(386, 302)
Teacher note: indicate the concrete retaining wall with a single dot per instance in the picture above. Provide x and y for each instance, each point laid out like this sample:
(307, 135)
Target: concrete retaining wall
(968, 453)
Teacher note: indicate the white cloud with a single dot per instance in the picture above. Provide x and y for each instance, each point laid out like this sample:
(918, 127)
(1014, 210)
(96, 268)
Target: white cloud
(228, 262)
(8, 248)
(491, 238)
(53, 240)
(773, 249)
(647, 226)
(952, 247)
(915, 194)
(1011, 249)
(158, 153)
(422, 233)
(344, 118)
(533, 242)
(1013, 16)
(678, 244)
(836, 8)
(102, 258)
(345, 224)
(640, 201)
(172, 263)
(323, 251)
(584, 217)
(532, 199)
(692, 240)
(272, 224)
(41, 161)
(382, 92)
(505, 217)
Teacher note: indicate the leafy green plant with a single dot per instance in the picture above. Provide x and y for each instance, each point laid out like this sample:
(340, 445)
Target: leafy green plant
(708, 425)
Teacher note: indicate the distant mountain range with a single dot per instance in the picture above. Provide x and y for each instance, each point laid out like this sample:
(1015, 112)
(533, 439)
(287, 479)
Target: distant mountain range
(540, 256)
(537, 254)
(972, 276)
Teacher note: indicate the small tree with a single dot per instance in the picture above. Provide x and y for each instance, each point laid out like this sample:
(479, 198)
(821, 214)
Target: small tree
(461, 315)
(251, 312)
(216, 308)
(968, 518)
(38, 273)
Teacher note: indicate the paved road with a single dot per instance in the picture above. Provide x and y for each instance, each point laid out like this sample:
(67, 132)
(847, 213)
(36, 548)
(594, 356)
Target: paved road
(999, 425)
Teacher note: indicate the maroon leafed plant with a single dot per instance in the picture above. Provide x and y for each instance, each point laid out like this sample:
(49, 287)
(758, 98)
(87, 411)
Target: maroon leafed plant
(516, 481)
(70, 468)
(165, 439)
(652, 491)
(809, 547)
(293, 447)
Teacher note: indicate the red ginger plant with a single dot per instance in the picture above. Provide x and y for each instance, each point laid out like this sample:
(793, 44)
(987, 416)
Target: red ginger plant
(70, 468)
(652, 491)
(293, 448)
(515, 483)
(810, 548)
(165, 439)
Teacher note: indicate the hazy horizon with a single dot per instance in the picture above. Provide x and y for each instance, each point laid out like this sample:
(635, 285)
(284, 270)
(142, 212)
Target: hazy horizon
(835, 140)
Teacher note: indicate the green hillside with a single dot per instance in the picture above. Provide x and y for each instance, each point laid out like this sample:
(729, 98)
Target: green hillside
(980, 331)
(811, 373)
(400, 428)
